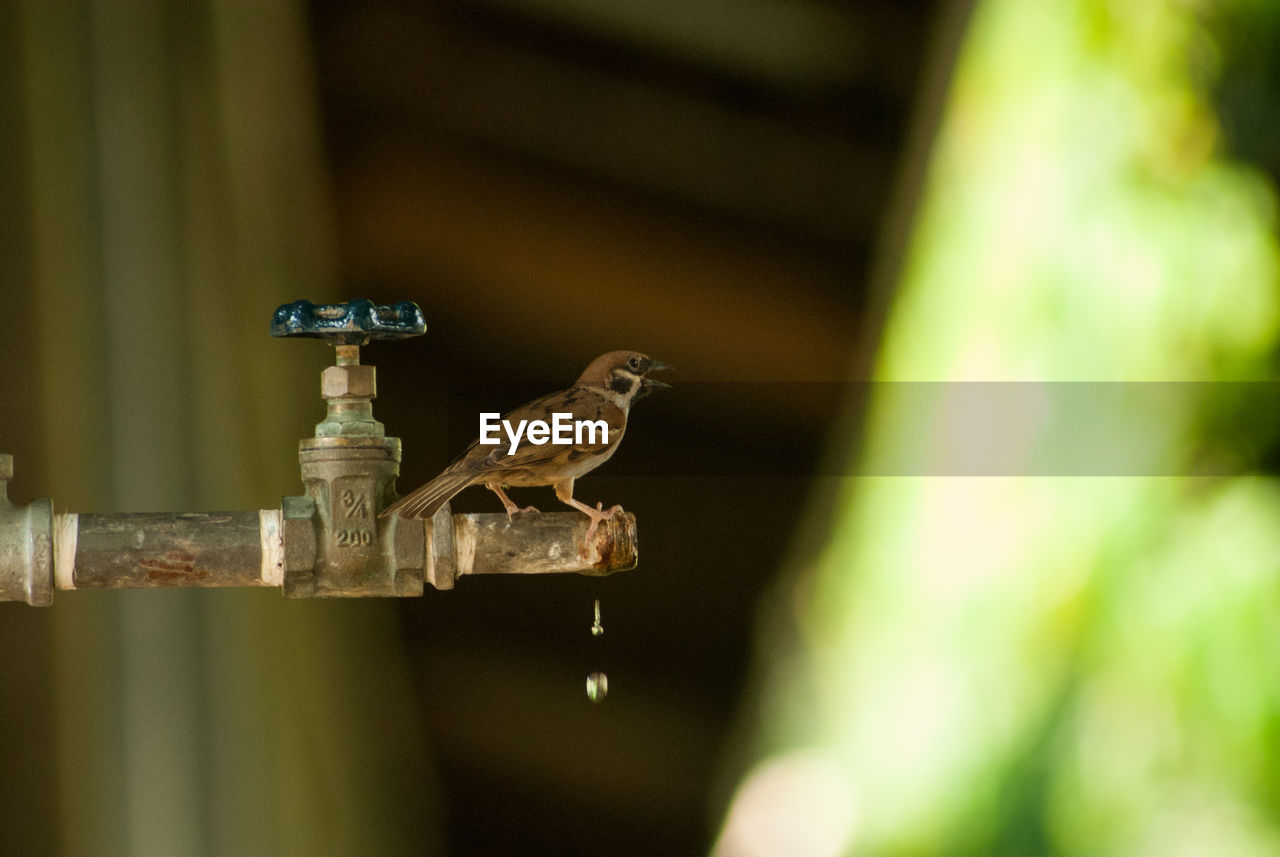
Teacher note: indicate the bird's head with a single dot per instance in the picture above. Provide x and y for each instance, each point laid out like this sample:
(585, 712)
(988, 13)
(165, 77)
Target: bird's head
(625, 374)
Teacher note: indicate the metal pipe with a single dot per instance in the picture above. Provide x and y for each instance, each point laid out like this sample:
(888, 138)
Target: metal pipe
(140, 550)
(26, 545)
(120, 551)
(545, 543)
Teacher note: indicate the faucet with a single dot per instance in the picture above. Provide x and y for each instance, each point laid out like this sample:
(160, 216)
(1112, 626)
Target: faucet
(325, 542)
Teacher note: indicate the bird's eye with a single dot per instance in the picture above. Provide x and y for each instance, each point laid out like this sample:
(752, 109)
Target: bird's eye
(634, 362)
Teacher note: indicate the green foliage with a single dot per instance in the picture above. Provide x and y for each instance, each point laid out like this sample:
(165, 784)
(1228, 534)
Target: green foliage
(1067, 665)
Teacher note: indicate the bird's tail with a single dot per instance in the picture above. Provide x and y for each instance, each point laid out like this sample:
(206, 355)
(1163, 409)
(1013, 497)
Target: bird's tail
(427, 500)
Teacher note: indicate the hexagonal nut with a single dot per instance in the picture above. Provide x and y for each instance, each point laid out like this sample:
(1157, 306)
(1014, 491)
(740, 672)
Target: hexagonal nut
(299, 534)
(348, 382)
(411, 554)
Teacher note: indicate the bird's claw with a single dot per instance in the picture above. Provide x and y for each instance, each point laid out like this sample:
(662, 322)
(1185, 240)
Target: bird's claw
(597, 516)
(514, 510)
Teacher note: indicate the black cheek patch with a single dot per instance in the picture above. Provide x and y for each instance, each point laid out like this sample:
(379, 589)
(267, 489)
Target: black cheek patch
(620, 385)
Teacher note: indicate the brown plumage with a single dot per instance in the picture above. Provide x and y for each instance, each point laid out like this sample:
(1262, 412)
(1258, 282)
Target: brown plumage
(605, 391)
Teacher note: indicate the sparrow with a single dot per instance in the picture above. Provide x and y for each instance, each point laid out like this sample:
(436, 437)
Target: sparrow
(605, 391)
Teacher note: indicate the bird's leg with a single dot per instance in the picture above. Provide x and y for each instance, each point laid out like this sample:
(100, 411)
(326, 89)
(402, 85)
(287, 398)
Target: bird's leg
(564, 491)
(511, 508)
(596, 516)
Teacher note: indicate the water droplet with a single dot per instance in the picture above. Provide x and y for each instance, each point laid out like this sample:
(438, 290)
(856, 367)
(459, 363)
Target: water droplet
(597, 687)
(597, 629)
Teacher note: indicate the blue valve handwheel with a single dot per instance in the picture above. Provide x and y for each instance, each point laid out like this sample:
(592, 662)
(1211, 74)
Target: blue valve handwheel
(352, 323)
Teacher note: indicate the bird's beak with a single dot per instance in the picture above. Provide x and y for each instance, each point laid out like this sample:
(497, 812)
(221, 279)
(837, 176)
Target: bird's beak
(649, 385)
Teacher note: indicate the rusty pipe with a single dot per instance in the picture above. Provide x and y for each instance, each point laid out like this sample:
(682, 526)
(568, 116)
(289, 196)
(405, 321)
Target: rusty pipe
(134, 550)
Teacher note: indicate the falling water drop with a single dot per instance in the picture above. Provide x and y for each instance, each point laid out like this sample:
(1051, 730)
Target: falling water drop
(597, 629)
(597, 686)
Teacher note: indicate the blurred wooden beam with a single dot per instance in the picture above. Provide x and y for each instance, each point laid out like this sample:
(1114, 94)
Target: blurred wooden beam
(531, 260)
(800, 45)
(653, 136)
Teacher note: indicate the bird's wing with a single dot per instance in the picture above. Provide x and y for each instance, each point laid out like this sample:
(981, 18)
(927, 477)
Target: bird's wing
(579, 403)
(481, 463)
